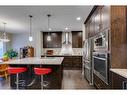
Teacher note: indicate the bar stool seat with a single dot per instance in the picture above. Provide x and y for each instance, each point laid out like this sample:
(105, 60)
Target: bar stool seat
(17, 70)
(42, 71)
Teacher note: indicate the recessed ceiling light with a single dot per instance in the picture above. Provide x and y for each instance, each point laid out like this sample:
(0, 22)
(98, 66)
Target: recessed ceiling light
(50, 29)
(66, 28)
(78, 18)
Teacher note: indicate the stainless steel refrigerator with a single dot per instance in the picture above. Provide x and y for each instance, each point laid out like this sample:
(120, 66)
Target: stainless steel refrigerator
(87, 60)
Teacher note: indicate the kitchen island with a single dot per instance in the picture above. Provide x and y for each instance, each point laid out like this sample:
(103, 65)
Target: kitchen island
(54, 78)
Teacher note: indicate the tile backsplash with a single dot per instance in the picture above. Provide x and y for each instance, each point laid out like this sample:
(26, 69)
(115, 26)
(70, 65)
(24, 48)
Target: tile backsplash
(56, 51)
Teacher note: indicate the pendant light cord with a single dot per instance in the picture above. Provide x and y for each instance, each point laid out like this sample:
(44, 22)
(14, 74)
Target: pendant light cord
(30, 24)
(4, 28)
(48, 23)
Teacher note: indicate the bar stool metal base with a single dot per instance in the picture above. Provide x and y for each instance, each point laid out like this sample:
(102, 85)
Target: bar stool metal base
(19, 82)
(43, 83)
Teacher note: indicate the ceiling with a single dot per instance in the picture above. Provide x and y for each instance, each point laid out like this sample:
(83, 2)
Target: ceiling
(17, 18)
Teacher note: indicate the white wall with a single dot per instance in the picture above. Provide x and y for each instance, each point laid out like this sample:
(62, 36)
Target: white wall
(22, 39)
(19, 41)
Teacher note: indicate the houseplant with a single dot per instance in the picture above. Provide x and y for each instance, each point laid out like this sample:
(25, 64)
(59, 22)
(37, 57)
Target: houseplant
(10, 54)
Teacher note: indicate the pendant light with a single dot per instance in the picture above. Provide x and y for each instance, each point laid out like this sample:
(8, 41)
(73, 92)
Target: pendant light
(30, 34)
(49, 29)
(4, 37)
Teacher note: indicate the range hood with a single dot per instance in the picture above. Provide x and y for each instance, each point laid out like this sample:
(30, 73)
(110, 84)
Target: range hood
(67, 42)
(66, 45)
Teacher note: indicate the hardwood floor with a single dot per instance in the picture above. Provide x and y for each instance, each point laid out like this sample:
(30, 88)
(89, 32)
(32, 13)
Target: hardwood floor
(72, 79)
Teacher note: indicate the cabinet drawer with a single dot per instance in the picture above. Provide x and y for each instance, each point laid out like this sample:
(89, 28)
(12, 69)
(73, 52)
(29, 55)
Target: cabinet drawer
(117, 81)
(72, 62)
(99, 83)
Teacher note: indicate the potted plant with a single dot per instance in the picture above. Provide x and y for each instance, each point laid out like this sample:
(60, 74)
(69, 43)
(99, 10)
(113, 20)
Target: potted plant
(5, 57)
(11, 54)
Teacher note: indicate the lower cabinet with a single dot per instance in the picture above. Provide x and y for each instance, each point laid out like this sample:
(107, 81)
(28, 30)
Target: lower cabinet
(99, 84)
(118, 82)
(72, 62)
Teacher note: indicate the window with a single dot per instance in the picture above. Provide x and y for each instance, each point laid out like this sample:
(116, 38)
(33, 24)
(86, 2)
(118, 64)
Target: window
(1, 49)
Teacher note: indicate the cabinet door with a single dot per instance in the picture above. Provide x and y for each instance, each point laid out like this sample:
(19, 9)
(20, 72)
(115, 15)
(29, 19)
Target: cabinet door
(76, 39)
(105, 16)
(86, 30)
(93, 25)
(97, 20)
(99, 83)
(117, 81)
(118, 37)
(56, 40)
(77, 62)
(89, 28)
(67, 62)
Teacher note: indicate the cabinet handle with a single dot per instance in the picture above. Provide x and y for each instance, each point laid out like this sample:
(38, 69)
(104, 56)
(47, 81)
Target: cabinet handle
(124, 85)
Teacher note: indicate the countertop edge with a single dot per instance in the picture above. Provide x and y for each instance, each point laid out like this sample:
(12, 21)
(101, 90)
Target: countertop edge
(61, 55)
(121, 72)
(27, 61)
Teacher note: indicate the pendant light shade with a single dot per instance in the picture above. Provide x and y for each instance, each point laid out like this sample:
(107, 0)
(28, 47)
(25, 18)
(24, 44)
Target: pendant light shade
(30, 38)
(48, 38)
(30, 34)
(49, 29)
(4, 37)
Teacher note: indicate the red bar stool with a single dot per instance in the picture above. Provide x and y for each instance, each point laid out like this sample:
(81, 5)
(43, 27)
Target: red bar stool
(17, 70)
(42, 71)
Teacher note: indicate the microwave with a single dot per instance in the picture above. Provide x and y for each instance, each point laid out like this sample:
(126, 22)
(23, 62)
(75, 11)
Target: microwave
(101, 40)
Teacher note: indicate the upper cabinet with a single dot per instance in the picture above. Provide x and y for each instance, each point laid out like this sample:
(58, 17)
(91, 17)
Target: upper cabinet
(114, 18)
(97, 21)
(56, 40)
(76, 39)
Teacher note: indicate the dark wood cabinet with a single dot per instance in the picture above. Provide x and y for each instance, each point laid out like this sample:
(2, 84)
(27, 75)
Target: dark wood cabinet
(98, 20)
(114, 18)
(118, 37)
(56, 40)
(76, 39)
(72, 62)
(67, 62)
(98, 83)
(117, 81)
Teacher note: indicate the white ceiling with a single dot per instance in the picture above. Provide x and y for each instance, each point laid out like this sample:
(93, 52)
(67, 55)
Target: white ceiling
(17, 19)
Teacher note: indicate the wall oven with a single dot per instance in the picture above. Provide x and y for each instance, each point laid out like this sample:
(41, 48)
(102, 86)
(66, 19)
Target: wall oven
(101, 66)
(101, 40)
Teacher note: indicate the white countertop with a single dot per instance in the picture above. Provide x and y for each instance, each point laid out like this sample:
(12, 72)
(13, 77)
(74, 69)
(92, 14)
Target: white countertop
(62, 55)
(35, 60)
(121, 72)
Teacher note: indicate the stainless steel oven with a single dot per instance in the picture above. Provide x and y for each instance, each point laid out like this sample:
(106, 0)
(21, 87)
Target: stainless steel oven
(101, 65)
(101, 40)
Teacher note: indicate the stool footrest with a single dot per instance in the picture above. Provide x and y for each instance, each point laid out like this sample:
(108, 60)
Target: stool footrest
(21, 82)
(44, 83)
